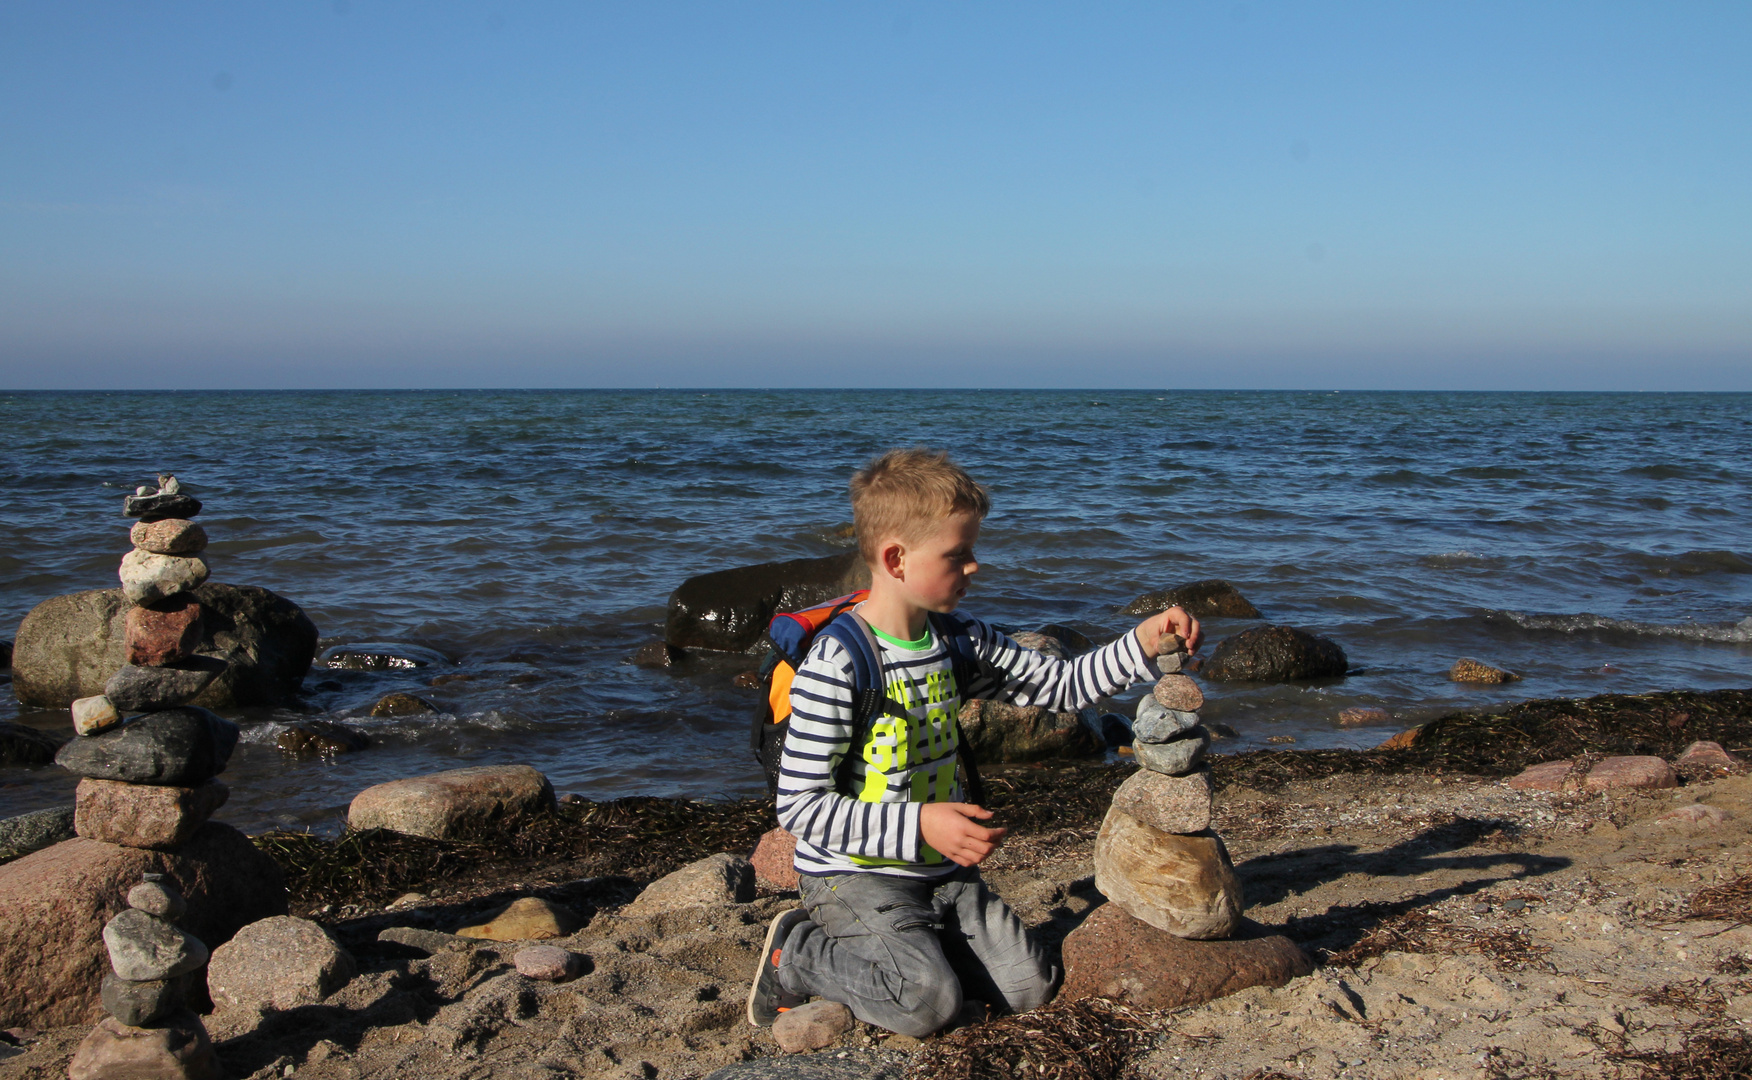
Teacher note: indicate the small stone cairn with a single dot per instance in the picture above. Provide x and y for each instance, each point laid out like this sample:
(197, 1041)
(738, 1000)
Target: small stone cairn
(150, 1030)
(1156, 856)
(147, 781)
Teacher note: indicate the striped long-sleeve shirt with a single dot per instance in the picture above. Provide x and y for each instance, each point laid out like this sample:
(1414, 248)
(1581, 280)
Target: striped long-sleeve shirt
(908, 761)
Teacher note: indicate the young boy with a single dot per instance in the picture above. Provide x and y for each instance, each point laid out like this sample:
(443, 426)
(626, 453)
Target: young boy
(896, 923)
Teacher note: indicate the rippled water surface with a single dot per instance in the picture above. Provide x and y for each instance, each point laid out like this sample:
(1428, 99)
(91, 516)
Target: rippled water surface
(1595, 543)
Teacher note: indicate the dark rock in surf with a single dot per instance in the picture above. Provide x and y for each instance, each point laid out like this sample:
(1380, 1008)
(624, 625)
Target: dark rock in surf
(23, 745)
(656, 654)
(143, 689)
(1274, 654)
(1209, 599)
(69, 646)
(999, 732)
(36, 830)
(160, 506)
(382, 656)
(1075, 642)
(322, 737)
(728, 610)
(400, 704)
(177, 747)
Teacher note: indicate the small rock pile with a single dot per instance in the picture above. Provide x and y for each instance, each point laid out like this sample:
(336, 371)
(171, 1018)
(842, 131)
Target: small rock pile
(1164, 940)
(148, 782)
(1156, 855)
(150, 1030)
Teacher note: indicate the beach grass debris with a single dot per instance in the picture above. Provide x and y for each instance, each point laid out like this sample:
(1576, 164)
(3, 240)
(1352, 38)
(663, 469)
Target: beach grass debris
(1731, 901)
(1706, 1054)
(1421, 930)
(1084, 1039)
(1691, 995)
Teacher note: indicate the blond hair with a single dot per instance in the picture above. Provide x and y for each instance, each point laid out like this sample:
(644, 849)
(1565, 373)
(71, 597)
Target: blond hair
(905, 494)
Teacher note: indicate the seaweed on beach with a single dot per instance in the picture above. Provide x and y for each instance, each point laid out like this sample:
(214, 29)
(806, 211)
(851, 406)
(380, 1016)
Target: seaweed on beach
(1730, 901)
(1703, 1055)
(1423, 931)
(1085, 1039)
(1505, 742)
(640, 837)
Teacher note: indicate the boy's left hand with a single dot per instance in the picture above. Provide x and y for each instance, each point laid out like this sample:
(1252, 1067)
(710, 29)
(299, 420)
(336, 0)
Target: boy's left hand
(1173, 621)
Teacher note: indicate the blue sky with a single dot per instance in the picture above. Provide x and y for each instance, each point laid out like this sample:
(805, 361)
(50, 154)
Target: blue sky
(1248, 194)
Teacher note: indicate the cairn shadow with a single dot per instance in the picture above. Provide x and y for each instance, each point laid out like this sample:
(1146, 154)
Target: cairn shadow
(1270, 879)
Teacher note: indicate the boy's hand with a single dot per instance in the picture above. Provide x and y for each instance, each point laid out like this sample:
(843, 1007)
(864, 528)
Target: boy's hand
(949, 827)
(1173, 621)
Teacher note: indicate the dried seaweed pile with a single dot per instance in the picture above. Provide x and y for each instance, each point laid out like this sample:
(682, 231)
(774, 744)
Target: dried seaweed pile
(1040, 800)
(1086, 1039)
(1731, 900)
(1707, 1055)
(640, 837)
(1423, 931)
(1503, 743)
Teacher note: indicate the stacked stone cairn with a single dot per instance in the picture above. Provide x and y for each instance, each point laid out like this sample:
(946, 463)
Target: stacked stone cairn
(1156, 856)
(150, 1030)
(147, 762)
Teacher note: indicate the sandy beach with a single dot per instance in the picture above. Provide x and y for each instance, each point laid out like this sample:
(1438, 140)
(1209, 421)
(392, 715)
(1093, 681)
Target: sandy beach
(1462, 929)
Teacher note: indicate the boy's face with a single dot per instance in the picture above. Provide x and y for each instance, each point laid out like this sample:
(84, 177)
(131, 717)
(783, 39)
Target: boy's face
(935, 572)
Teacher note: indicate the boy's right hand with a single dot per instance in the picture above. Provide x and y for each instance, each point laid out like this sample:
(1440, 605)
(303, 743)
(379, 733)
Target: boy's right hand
(948, 827)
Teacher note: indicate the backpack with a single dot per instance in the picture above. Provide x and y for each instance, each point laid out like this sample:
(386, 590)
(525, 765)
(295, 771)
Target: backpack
(791, 634)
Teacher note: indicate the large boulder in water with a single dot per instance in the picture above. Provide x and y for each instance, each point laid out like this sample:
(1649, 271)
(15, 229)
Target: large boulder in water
(1210, 599)
(54, 903)
(69, 646)
(1274, 654)
(728, 610)
(998, 732)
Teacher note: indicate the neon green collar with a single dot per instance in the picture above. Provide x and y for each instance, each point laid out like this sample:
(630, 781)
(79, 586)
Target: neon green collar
(916, 646)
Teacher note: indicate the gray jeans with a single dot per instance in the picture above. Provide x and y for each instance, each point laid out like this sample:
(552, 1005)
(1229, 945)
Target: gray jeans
(903, 952)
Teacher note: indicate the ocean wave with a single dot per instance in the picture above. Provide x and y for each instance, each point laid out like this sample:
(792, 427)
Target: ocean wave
(1692, 563)
(1462, 560)
(1739, 633)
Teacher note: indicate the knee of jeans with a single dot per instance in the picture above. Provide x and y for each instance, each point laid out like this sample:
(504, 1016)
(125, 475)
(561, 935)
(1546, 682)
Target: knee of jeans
(928, 1005)
(1034, 994)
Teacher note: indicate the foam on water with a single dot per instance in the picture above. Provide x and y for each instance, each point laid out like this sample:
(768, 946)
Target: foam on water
(530, 539)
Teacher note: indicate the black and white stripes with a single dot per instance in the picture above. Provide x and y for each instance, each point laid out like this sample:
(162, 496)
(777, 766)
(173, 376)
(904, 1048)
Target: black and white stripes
(907, 761)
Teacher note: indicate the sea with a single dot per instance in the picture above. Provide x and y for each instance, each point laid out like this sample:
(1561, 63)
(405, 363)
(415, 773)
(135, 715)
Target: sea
(1594, 543)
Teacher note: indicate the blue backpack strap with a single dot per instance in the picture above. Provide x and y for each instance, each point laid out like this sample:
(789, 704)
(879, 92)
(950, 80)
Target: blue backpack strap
(869, 689)
(969, 668)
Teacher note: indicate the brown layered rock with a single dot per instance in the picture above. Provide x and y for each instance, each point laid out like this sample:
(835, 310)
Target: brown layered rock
(277, 963)
(1173, 804)
(1115, 956)
(441, 805)
(179, 1050)
(999, 732)
(775, 859)
(528, 919)
(54, 904)
(169, 536)
(144, 815)
(1182, 884)
(1471, 671)
(814, 1026)
(163, 633)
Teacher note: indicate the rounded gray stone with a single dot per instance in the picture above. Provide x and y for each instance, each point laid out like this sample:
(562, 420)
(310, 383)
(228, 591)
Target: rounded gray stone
(158, 900)
(177, 747)
(1175, 758)
(1156, 723)
(143, 948)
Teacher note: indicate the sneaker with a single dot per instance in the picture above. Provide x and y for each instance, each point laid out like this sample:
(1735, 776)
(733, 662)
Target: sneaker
(766, 998)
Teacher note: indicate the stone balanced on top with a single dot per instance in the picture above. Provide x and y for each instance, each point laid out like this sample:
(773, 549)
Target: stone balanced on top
(150, 1030)
(1156, 856)
(147, 781)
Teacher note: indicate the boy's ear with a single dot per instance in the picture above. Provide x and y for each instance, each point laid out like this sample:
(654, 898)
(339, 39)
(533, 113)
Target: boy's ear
(893, 558)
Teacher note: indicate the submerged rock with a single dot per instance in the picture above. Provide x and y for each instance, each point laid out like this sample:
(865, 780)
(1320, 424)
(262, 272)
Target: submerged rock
(402, 704)
(24, 745)
(1471, 671)
(1274, 654)
(728, 610)
(322, 737)
(1209, 599)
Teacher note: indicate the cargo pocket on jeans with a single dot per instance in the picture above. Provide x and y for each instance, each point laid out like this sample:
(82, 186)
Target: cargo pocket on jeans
(905, 917)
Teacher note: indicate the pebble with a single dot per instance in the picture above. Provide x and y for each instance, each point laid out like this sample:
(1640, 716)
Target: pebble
(143, 948)
(94, 714)
(1179, 692)
(170, 536)
(1171, 663)
(1158, 724)
(148, 689)
(548, 963)
(147, 578)
(813, 1026)
(1175, 758)
(157, 899)
(158, 506)
(1695, 814)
